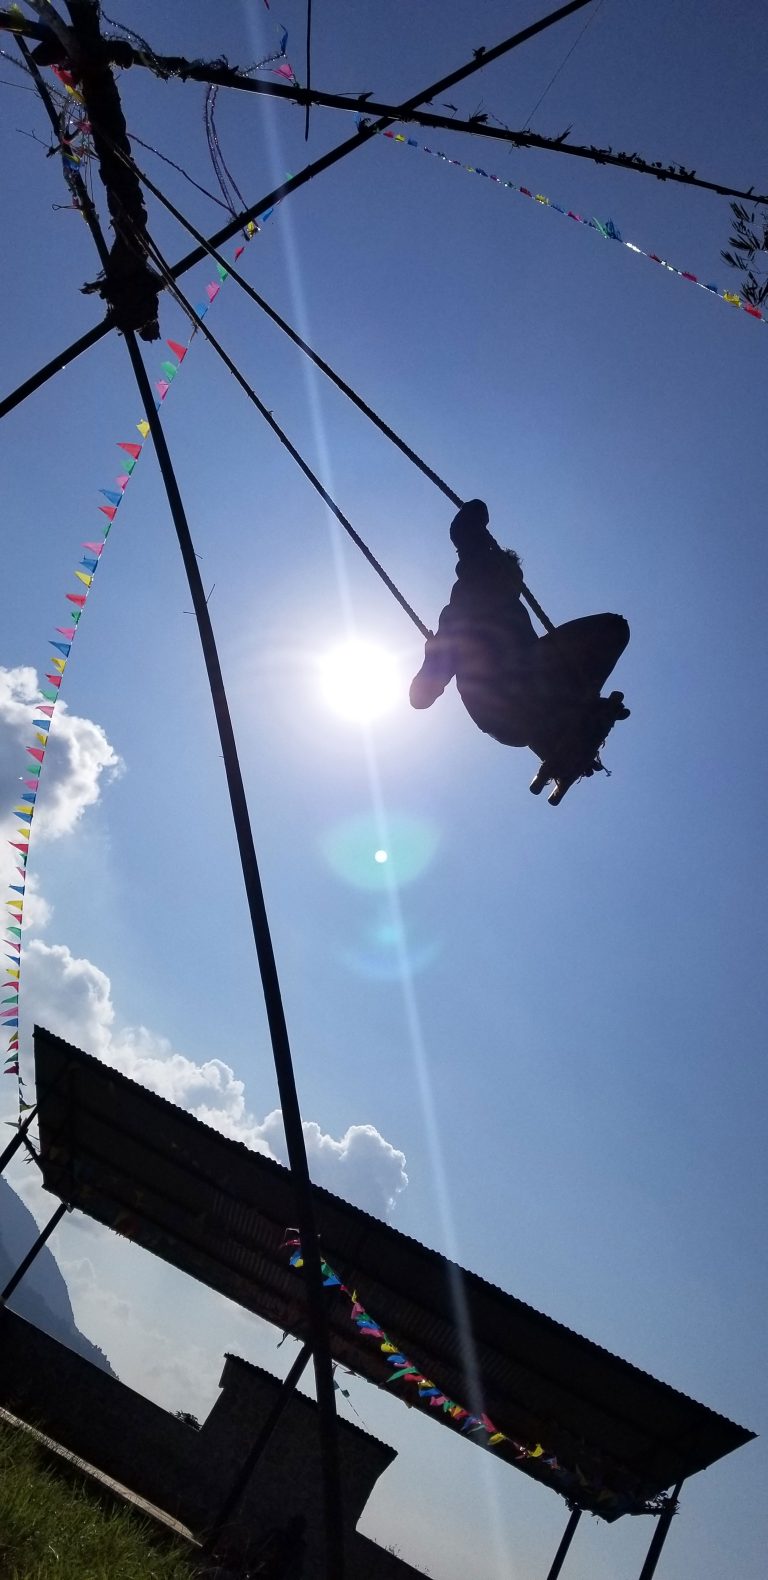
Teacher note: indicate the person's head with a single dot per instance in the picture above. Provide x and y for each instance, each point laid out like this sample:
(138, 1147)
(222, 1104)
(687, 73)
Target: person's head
(469, 530)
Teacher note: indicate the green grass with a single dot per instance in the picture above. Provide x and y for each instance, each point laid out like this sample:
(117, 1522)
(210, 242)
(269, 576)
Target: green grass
(55, 1526)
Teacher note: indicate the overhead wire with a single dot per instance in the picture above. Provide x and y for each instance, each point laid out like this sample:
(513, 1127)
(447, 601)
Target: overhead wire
(182, 172)
(308, 69)
(221, 170)
(563, 63)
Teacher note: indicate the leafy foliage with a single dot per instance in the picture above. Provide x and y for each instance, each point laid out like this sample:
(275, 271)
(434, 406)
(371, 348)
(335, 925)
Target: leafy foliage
(749, 253)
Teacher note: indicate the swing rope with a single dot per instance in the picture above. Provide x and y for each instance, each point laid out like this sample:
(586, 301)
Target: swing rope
(340, 383)
(311, 476)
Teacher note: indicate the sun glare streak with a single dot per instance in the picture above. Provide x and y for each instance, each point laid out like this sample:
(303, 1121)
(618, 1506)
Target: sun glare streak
(424, 1083)
(410, 1003)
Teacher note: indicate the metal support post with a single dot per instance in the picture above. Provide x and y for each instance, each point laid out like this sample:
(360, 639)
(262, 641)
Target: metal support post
(568, 1535)
(660, 1535)
(24, 1266)
(16, 1142)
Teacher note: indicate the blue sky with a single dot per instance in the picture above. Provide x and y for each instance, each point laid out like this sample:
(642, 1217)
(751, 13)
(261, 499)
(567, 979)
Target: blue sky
(556, 1016)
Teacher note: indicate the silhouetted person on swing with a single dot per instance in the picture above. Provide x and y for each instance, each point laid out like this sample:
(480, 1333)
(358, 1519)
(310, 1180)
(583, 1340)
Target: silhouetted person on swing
(523, 689)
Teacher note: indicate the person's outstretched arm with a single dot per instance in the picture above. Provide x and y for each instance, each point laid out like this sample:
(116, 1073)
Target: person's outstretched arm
(438, 668)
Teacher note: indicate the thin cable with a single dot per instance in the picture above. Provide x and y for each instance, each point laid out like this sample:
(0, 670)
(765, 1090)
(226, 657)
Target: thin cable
(284, 440)
(224, 176)
(564, 62)
(309, 68)
(181, 170)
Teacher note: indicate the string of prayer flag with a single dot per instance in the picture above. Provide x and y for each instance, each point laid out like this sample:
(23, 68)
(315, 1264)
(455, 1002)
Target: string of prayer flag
(604, 228)
(44, 710)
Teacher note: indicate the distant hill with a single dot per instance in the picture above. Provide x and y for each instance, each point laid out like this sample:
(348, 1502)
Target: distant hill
(42, 1296)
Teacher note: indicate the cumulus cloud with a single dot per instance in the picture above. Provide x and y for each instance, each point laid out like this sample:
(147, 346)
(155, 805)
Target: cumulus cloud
(78, 756)
(73, 998)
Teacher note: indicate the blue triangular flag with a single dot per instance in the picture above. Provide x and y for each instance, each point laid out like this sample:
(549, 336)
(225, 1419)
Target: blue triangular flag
(62, 647)
(112, 494)
(18, 888)
(90, 565)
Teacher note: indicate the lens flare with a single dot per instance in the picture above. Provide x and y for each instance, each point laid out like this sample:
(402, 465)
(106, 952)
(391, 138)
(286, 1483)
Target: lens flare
(353, 850)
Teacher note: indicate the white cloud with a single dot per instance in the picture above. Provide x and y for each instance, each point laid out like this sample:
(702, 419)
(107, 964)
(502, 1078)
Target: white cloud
(69, 996)
(77, 756)
(73, 998)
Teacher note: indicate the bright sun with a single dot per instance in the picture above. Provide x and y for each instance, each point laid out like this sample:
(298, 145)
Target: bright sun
(359, 681)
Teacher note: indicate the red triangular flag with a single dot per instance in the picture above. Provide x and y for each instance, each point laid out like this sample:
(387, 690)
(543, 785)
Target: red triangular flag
(109, 510)
(131, 449)
(178, 351)
(78, 598)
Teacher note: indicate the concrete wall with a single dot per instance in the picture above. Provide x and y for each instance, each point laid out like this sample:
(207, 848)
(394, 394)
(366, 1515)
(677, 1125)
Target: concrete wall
(97, 1417)
(188, 1472)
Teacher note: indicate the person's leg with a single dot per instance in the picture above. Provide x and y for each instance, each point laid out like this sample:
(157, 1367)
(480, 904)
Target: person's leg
(580, 655)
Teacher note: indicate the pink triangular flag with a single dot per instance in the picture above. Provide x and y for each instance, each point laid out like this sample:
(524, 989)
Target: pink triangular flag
(44, 708)
(162, 386)
(66, 630)
(123, 480)
(211, 291)
(95, 548)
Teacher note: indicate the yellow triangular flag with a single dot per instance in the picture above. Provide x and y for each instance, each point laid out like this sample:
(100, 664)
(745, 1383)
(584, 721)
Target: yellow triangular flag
(11, 972)
(60, 664)
(86, 580)
(43, 739)
(143, 427)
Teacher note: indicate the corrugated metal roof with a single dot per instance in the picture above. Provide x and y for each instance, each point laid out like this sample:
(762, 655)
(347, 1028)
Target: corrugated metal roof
(219, 1211)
